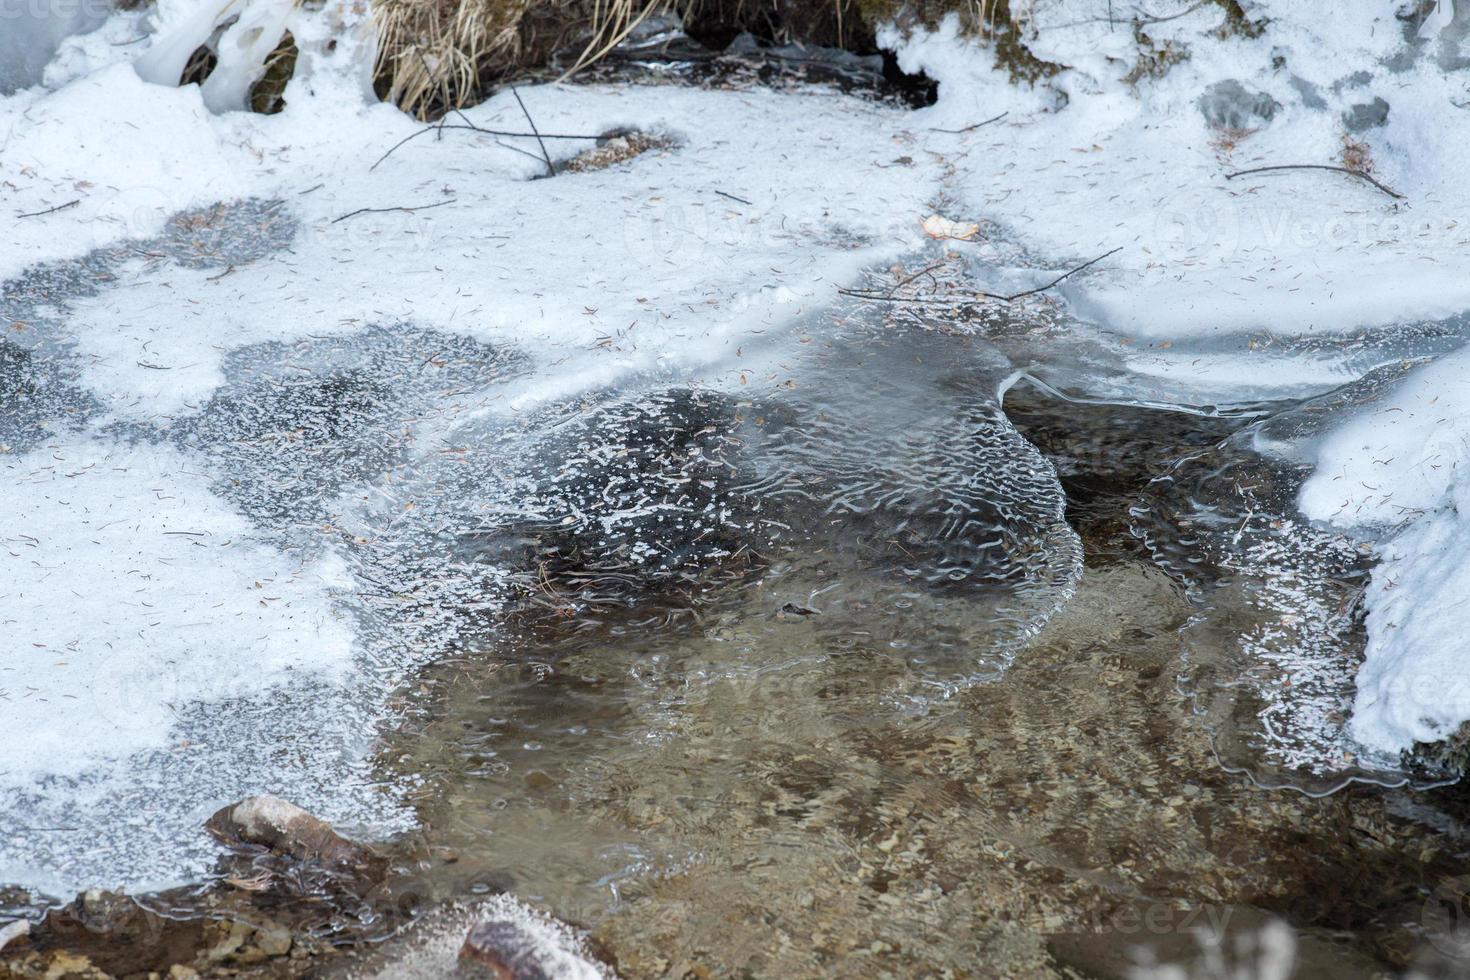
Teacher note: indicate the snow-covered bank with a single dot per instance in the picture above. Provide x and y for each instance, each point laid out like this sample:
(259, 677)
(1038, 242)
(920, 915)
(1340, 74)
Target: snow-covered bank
(1132, 143)
(1397, 471)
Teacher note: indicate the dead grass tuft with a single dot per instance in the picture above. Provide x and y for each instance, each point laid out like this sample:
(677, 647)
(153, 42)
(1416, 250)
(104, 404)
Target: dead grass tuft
(1357, 156)
(439, 55)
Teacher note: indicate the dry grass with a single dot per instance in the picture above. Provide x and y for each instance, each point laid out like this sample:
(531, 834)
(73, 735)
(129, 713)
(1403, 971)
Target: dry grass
(431, 52)
(1357, 156)
(438, 55)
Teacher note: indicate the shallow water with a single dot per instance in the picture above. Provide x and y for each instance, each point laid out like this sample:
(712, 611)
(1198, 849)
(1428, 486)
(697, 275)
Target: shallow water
(801, 671)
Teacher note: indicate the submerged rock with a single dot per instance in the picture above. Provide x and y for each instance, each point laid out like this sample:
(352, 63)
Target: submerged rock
(13, 931)
(269, 821)
(516, 942)
(504, 939)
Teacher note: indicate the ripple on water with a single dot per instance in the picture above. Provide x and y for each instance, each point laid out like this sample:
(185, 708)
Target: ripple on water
(1276, 643)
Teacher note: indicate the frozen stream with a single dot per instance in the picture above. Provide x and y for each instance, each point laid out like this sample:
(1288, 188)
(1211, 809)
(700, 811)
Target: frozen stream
(590, 537)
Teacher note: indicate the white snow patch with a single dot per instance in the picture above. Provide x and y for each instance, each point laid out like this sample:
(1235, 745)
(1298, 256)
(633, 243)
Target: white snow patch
(129, 588)
(1398, 469)
(1093, 159)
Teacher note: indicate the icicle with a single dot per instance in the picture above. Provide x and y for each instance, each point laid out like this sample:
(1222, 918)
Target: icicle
(242, 34)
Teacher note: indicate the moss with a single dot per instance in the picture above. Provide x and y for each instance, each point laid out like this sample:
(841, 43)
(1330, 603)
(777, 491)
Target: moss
(1012, 54)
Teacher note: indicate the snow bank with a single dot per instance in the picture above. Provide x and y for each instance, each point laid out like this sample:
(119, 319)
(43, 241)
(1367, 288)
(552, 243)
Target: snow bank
(33, 31)
(1119, 149)
(1398, 471)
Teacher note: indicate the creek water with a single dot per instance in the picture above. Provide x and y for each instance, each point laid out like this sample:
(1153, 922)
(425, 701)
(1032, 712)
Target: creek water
(831, 663)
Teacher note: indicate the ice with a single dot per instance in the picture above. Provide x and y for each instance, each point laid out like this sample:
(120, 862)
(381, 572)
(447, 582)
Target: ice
(33, 32)
(242, 34)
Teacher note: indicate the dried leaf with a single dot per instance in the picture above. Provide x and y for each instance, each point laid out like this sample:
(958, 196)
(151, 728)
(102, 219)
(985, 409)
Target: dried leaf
(937, 226)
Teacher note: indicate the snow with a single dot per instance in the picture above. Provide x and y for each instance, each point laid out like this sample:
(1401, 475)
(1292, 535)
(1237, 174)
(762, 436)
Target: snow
(190, 595)
(196, 251)
(1086, 162)
(33, 32)
(1397, 470)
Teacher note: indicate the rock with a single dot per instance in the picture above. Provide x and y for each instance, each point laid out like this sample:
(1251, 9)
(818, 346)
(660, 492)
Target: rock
(273, 939)
(117, 936)
(1230, 105)
(1365, 115)
(284, 827)
(512, 941)
(13, 931)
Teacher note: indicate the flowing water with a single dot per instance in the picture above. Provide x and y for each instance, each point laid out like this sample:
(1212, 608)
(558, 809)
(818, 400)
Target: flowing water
(848, 748)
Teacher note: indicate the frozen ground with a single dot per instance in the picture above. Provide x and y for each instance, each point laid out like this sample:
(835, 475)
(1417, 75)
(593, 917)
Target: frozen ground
(231, 341)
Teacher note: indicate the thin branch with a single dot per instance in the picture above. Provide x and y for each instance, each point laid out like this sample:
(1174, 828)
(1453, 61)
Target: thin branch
(550, 167)
(59, 207)
(419, 207)
(517, 149)
(889, 297)
(734, 198)
(904, 282)
(1065, 275)
(479, 129)
(1319, 166)
(969, 129)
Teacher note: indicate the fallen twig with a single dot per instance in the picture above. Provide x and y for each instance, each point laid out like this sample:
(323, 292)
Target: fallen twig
(550, 167)
(734, 198)
(517, 149)
(417, 207)
(1319, 166)
(968, 129)
(479, 129)
(889, 297)
(905, 281)
(59, 207)
(1069, 272)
